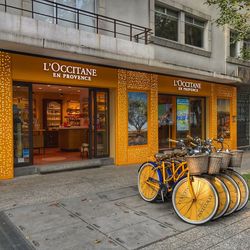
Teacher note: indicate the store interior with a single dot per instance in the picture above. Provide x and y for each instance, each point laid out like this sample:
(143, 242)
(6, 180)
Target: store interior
(60, 123)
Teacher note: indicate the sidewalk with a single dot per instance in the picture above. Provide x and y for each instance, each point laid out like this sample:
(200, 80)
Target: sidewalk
(101, 209)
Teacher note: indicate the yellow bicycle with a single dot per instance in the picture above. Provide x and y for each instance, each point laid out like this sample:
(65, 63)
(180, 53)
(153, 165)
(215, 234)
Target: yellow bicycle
(195, 199)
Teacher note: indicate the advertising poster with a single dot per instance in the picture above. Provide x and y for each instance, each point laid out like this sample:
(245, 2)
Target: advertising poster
(182, 114)
(137, 118)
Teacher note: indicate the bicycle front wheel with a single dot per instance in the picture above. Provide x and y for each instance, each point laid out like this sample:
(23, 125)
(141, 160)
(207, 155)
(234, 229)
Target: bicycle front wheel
(200, 209)
(234, 192)
(224, 196)
(244, 189)
(148, 182)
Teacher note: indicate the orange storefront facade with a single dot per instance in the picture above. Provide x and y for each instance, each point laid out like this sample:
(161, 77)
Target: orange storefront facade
(143, 109)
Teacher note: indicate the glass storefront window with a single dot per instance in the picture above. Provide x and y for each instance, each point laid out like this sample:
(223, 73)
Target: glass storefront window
(165, 120)
(21, 124)
(223, 118)
(179, 117)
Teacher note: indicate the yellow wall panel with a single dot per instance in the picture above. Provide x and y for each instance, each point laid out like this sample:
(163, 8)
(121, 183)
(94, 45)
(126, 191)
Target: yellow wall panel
(6, 118)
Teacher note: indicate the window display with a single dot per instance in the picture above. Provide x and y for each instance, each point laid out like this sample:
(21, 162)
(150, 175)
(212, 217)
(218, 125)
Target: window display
(223, 118)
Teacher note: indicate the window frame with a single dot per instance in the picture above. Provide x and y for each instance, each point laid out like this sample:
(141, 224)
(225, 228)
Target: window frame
(201, 27)
(168, 16)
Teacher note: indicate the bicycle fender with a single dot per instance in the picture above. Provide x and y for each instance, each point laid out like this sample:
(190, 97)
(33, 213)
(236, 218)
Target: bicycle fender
(155, 166)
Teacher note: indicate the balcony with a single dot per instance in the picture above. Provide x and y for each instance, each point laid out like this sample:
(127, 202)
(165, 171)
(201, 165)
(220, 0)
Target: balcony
(72, 17)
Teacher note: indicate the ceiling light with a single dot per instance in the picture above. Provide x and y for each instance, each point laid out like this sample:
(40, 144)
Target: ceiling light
(40, 88)
(60, 89)
(48, 85)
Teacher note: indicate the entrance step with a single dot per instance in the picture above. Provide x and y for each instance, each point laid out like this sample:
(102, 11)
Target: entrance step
(63, 166)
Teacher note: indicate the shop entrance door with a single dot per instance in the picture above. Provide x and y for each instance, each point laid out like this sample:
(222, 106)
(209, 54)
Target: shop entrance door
(99, 127)
(22, 124)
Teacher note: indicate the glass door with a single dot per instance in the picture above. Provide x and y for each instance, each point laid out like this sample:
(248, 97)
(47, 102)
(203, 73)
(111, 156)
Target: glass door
(99, 123)
(22, 124)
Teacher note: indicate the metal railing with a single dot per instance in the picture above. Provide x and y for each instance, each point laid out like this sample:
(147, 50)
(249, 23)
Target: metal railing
(79, 19)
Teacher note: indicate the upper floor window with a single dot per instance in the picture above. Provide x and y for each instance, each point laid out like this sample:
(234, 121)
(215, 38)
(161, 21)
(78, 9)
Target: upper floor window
(47, 11)
(233, 44)
(194, 31)
(166, 23)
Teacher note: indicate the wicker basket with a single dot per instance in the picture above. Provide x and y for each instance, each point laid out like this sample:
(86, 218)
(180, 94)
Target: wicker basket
(215, 161)
(226, 157)
(236, 158)
(197, 164)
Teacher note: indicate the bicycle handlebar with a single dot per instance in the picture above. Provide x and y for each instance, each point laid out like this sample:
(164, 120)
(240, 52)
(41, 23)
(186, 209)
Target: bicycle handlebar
(171, 140)
(190, 137)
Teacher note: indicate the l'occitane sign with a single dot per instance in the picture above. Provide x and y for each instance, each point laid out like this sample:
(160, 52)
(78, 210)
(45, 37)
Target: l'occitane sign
(59, 70)
(187, 85)
(56, 71)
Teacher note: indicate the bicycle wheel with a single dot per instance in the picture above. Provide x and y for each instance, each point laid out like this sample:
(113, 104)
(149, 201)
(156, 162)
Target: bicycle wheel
(224, 196)
(148, 182)
(199, 210)
(234, 192)
(244, 189)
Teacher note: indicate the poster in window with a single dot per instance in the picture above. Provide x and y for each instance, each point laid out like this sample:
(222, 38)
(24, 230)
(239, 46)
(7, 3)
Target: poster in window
(137, 118)
(182, 114)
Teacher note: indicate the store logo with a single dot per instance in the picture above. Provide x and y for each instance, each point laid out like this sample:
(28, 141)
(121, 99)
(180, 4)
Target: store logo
(69, 72)
(187, 86)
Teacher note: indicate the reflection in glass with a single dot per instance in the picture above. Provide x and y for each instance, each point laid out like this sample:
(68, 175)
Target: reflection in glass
(101, 123)
(223, 118)
(165, 120)
(21, 124)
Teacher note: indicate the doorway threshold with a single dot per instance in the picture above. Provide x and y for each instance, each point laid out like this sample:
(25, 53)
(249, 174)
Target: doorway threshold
(63, 166)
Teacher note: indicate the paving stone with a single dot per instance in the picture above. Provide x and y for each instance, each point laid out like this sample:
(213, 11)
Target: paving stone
(201, 231)
(142, 234)
(172, 220)
(167, 244)
(203, 242)
(233, 229)
(33, 219)
(239, 241)
(155, 210)
(118, 194)
(78, 236)
(235, 217)
(89, 209)
(117, 220)
(131, 202)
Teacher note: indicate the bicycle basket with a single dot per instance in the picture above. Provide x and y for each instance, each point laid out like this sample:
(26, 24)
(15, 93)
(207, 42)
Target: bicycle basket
(215, 161)
(236, 158)
(197, 164)
(226, 157)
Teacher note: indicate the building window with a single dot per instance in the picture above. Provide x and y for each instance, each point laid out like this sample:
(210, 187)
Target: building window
(233, 44)
(246, 50)
(46, 11)
(166, 23)
(194, 31)
(223, 118)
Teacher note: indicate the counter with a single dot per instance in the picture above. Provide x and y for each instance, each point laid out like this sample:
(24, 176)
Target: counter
(71, 138)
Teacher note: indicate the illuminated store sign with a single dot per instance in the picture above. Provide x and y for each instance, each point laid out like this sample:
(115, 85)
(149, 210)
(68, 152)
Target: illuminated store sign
(69, 72)
(187, 86)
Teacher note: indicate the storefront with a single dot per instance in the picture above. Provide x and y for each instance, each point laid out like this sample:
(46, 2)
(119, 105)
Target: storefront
(51, 104)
